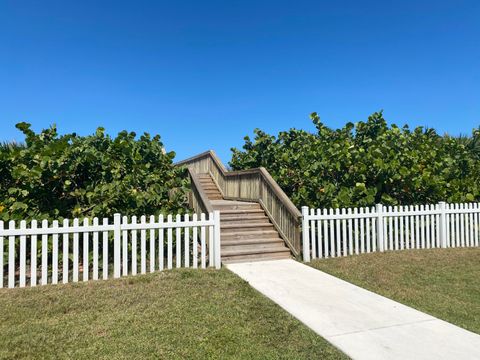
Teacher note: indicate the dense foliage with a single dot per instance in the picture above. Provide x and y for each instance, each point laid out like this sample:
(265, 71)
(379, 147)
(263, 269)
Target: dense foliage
(366, 163)
(53, 176)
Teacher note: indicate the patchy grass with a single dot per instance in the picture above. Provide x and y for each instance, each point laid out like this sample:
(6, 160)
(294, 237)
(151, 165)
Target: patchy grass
(187, 314)
(442, 282)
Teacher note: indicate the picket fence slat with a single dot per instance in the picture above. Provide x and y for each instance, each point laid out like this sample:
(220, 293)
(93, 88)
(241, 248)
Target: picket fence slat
(1, 255)
(143, 246)
(152, 245)
(135, 247)
(105, 251)
(203, 242)
(160, 244)
(342, 232)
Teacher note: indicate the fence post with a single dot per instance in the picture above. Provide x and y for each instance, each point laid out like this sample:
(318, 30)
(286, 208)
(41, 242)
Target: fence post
(380, 242)
(217, 244)
(305, 234)
(116, 245)
(443, 224)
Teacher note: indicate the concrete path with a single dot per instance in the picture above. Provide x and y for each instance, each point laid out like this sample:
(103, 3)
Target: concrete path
(362, 324)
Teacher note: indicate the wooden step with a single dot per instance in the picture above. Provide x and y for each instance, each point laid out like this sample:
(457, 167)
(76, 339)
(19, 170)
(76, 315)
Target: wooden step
(253, 248)
(215, 197)
(255, 257)
(210, 187)
(236, 216)
(245, 235)
(237, 206)
(240, 221)
(250, 241)
(239, 228)
(242, 212)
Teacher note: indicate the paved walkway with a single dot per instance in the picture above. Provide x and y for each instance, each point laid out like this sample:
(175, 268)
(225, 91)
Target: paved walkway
(362, 324)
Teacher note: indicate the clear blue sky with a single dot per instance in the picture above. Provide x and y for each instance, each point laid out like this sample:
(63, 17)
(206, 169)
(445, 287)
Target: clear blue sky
(203, 74)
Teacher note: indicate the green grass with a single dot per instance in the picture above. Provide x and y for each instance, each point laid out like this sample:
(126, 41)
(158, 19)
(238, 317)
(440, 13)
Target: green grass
(442, 282)
(188, 314)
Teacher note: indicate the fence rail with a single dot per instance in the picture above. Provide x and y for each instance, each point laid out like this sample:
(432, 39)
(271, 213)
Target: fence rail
(341, 232)
(53, 253)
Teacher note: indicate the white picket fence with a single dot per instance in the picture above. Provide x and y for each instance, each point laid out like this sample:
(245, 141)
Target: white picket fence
(185, 242)
(342, 232)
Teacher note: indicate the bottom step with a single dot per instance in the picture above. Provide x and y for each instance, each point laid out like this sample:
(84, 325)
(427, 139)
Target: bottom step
(255, 257)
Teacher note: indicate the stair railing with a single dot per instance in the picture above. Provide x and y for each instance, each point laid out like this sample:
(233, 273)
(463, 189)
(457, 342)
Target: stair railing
(254, 185)
(198, 199)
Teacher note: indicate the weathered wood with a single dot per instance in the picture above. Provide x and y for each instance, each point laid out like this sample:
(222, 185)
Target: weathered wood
(254, 185)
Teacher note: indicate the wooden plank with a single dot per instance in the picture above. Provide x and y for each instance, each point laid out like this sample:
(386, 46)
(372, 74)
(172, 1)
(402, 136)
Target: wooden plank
(203, 243)
(105, 250)
(344, 234)
(55, 254)
(75, 251)
(350, 233)
(195, 243)
(65, 252)
(186, 245)
(86, 249)
(160, 245)
(143, 246)
(169, 244)
(11, 256)
(44, 254)
(152, 245)
(1, 254)
(362, 231)
(319, 236)
(338, 234)
(124, 247)
(95, 251)
(178, 243)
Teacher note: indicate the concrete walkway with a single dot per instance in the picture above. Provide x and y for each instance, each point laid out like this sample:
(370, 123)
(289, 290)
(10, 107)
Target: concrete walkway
(362, 324)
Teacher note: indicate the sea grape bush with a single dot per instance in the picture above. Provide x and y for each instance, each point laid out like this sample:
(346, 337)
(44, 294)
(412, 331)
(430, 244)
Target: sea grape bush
(54, 176)
(366, 163)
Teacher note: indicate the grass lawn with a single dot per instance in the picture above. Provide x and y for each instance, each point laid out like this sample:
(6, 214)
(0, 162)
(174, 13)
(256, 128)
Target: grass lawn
(174, 314)
(442, 282)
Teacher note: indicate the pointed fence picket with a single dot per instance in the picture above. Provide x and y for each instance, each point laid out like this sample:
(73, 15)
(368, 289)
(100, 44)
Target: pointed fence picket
(138, 246)
(342, 232)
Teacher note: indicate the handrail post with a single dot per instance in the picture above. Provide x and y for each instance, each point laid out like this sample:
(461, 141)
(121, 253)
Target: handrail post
(116, 245)
(305, 234)
(217, 245)
(443, 224)
(380, 241)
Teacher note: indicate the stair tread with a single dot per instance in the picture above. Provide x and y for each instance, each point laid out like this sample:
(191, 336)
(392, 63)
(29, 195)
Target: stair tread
(245, 234)
(251, 251)
(247, 258)
(243, 216)
(242, 211)
(229, 242)
(240, 222)
(245, 225)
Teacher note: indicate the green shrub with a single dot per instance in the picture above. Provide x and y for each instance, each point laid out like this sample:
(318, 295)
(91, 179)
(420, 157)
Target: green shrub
(366, 163)
(56, 176)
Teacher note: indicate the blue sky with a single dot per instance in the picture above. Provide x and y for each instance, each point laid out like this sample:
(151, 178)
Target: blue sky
(203, 74)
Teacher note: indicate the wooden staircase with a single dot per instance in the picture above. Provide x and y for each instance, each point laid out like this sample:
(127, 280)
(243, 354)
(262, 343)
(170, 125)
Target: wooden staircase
(246, 232)
(257, 219)
(210, 188)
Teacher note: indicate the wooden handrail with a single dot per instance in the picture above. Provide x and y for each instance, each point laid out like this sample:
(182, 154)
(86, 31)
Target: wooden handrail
(200, 202)
(251, 185)
(264, 173)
